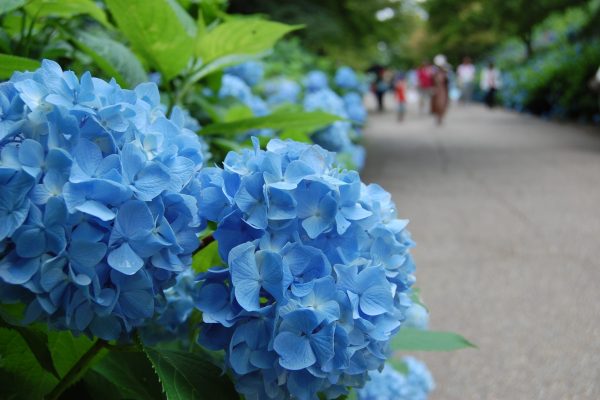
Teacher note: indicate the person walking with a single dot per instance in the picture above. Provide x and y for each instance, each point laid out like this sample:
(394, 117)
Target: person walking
(466, 78)
(439, 100)
(424, 84)
(400, 92)
(490, 83)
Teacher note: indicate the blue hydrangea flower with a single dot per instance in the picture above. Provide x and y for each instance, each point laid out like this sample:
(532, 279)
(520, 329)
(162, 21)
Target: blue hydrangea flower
(316, 277)
(171, 318)
(99, 207)
(251, 72)
(315, 80)
(417, 317)
(235, 87)
(345, 78)
(280, 91)
(390, 384)
(355, 108)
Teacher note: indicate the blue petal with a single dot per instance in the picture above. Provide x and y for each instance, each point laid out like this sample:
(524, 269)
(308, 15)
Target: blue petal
(295, 352)
(125, 260)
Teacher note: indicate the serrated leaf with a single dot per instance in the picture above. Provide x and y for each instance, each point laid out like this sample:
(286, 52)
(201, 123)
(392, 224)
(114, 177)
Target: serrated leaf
(242, 36)
(156, 32)
(113, 58)
(10, 64)
(297, 121)
(190, 376)
(131, 373)
(9, 5)
(66, 9)
(409, 339)
(23, 376)
(207, 257)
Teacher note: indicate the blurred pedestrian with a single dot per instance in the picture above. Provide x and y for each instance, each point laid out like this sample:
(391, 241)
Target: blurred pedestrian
(379, 85)
(490, 83)
(439, 100)
(400, 92)
(424, 84)
(466, 79)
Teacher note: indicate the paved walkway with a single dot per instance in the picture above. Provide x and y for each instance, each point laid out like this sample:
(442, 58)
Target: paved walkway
(505, 210)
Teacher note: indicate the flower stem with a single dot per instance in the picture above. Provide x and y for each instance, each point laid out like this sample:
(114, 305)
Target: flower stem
(76, 370)
(205, 241)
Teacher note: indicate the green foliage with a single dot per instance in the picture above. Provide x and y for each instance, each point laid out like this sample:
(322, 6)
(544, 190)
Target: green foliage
(65, 9)
(240, 37)
(128, 373)
(22, 375)
(189, 376)
(409, 339)
(10, 64)
(279, 120)
(207, 257)
(112, 57)
(9, 5)
(156, 31)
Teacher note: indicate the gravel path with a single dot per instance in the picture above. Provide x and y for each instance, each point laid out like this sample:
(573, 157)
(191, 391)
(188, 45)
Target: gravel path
(505, 210)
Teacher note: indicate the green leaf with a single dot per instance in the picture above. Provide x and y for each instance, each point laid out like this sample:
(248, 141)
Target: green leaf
(10, 64)
(190, 376)
(156, 31)
(237, 112)
(116, 60)
(409, 339)
(22, 375)
(297, 136)
(207, 257)
(9, 5)
(242, 36)
(37, 341)
(66, 9)
(305, 122)
(130, 372)
(67, 349)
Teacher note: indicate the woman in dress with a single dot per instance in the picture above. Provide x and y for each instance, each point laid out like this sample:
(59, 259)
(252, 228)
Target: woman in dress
(439, 101)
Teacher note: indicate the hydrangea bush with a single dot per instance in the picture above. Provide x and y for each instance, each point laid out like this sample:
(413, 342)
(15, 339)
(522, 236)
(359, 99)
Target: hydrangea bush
(390, 384)
(99, 207)
(316, 277)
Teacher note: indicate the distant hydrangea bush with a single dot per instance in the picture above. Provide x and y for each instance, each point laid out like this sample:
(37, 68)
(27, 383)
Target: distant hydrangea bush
(281, 90)
(235, 87)
(390, 384)
(251, 72)
(99, 201)
(345, 78)
(316, 80)
(317, 272)
(354, 107)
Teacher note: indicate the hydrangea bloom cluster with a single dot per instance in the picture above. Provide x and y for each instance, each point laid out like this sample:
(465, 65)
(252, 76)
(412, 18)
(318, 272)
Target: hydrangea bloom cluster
(251, 72)
(390, 384)
(281, 90)
(171, 320)
(335, 137)
(417, 317)
(235, 87)
(317, 272)
(353, 104)
(315, 80)
(345, 78)
(99, 206)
